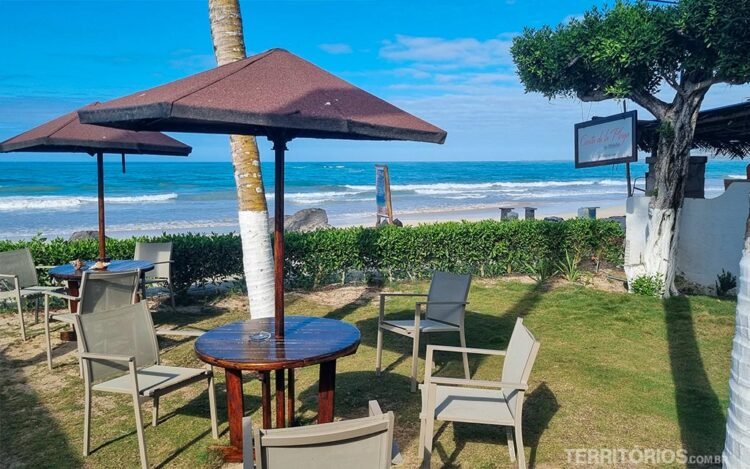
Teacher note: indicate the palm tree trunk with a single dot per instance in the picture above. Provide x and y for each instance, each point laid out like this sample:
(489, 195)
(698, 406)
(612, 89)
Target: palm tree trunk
(229, 46)
(737, 446)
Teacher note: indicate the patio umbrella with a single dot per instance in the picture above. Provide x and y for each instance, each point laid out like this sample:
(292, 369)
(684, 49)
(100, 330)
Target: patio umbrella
(274, 94)
(67, 134)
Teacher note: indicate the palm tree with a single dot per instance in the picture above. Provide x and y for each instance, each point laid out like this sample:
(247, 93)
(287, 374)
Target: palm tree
(229, 46)
(737, 446)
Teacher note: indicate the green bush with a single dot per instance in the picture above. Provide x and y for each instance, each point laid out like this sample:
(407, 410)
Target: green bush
(485, 248)
(648, 285)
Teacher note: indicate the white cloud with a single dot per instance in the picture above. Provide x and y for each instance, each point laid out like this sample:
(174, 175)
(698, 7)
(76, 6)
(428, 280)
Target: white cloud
(336, 48)
(470, 52)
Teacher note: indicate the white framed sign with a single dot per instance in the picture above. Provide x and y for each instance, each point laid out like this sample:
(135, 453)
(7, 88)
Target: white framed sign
(607, 140)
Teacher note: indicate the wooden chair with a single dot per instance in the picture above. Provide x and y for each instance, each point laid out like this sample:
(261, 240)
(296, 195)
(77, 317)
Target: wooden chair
(480, 401)
(160, 254)
(364, 443)
(120, 354)
(18, 281)
(443, 312)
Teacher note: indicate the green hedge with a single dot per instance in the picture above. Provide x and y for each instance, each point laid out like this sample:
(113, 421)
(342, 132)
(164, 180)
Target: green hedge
(486, 248)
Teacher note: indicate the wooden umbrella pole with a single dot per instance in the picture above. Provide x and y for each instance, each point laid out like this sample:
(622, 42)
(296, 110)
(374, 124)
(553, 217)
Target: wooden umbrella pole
(100, 197)
(279, 146)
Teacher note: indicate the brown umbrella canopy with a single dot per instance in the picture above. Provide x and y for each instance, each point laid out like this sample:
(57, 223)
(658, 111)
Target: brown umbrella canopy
(261, 95)
(66, 134)
(275, 94)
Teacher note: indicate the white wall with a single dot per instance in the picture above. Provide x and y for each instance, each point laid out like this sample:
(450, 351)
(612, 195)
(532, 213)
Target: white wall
(711, 235)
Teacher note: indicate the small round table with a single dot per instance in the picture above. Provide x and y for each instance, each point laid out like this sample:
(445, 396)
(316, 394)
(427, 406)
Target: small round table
(72, 276)
(252, 346)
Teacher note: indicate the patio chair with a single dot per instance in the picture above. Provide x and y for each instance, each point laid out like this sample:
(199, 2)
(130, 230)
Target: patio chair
(445, 309)
(160, 254)
(120, 354)
(18, 281)
(364, 443)
(99, 291)
(481, 401)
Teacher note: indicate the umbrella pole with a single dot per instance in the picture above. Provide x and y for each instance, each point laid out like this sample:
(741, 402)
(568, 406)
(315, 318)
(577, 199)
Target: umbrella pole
(279, 147)
(100, 197)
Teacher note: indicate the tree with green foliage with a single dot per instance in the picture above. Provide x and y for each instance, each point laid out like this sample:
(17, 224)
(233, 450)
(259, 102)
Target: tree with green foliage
(644, 52)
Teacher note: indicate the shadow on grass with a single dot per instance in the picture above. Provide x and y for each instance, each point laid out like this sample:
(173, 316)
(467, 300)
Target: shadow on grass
(29, 435)
(699, 412)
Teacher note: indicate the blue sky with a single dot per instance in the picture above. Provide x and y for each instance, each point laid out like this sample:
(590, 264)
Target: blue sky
(445, 61)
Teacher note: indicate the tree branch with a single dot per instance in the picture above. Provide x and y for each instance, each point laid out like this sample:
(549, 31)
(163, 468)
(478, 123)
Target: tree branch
(672, 82)
(594, 96)
(651, 103)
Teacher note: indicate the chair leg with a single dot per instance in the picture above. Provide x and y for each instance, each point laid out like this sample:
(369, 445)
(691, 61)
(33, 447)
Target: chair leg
(155, 412)
(429, 428)
(379, 352)
(36, 310)
(20, 315)
(139, 431)
(414, 358)
(520, 455)
(466, 356)
(171, 295)
(46, 332)
(511, 444)
(212, 407)
(86, 419)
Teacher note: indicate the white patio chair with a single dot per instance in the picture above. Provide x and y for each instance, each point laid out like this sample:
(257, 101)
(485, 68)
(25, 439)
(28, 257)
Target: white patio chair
(444, 311)
(160, 254)
(364, 443)
(120, 354)
(99, 291)
(18, 281)
(480, 401)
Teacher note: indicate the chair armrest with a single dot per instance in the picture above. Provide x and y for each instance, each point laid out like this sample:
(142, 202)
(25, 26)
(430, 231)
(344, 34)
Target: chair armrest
(61, 295)
(163, 262)
(8, 276)
(428, 303)
(106, 357)
(179, 333)
(44, 267)
(402, 294)
(477, 351)
(373, 408)
(477, 382)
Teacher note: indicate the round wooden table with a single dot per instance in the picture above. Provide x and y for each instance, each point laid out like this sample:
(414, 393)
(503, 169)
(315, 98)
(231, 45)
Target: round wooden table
(72, 276)
(252, 345)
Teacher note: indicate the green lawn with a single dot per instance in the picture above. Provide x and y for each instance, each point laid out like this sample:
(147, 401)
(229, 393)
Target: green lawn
(614, 371)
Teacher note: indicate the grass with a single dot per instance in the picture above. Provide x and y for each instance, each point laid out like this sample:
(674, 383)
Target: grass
(614, 371)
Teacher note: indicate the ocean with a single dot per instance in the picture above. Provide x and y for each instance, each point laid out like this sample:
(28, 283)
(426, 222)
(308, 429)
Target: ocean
(57, 198)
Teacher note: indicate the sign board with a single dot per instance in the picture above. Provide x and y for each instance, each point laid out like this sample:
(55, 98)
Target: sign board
(605, 141)
(383, 194)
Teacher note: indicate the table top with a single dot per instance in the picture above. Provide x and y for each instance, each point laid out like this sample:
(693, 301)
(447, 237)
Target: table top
(67, 272)
(307, 341)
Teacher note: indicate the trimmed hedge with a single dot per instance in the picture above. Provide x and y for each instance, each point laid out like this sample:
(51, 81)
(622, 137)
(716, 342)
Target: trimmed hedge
(485, 248)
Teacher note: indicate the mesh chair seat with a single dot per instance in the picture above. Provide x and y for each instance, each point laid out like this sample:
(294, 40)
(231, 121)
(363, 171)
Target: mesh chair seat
(425, 325)
(67, 318)
(472, 405)
(152, 379)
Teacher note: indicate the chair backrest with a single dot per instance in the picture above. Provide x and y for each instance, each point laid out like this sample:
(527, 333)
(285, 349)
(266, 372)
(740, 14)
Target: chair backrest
(159, 253)
(20, 263)
(363, 443)
(102, 291)
(519, 360)
(448, 287)
(127, 330)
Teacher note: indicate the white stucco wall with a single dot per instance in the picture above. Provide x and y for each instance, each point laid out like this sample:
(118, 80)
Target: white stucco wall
(711, 235)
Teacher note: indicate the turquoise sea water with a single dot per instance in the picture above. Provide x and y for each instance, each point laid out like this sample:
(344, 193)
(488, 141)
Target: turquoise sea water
(58, 198)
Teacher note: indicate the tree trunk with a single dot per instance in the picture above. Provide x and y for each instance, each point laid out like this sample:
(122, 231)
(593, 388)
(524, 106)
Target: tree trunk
(737, 445)
(229, 46)
(673, 152)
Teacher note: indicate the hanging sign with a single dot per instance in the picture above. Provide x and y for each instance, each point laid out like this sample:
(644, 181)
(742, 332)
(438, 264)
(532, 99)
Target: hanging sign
(606, 140)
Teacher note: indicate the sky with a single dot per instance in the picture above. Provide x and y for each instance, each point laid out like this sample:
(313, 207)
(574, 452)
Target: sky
(446, 61)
